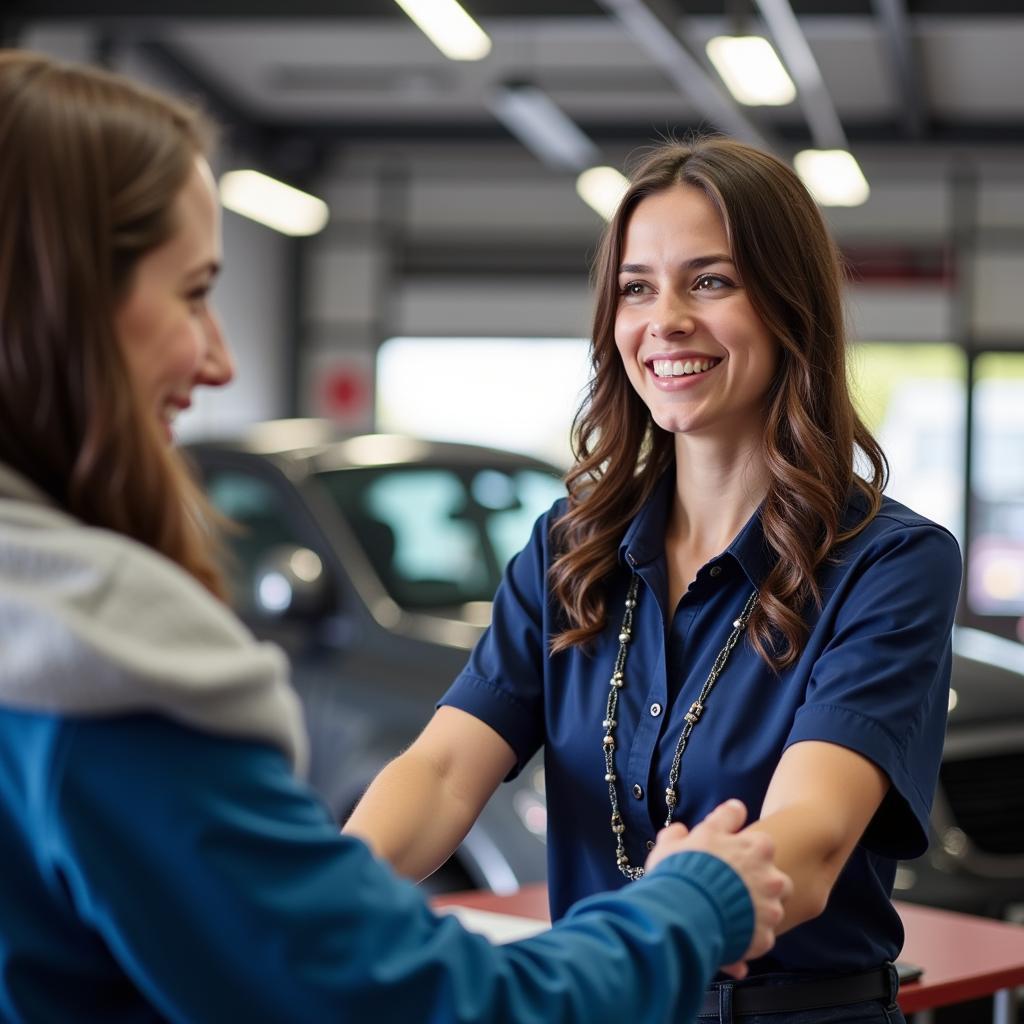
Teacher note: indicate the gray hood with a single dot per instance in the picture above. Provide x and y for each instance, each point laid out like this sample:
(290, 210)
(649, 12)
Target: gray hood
(94, 623)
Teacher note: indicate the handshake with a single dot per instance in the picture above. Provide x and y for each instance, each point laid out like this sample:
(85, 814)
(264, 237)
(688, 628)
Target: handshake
(749, 854)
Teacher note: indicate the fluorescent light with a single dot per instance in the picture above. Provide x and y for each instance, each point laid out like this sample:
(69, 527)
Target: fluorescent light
(751, 70)
(449, 28)
(602, 189)
(832, 176)
(273, 203)
(543, 127)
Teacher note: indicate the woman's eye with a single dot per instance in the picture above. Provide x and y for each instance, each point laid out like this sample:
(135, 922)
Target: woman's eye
(197, 300)
(633, 288)
(710, 282)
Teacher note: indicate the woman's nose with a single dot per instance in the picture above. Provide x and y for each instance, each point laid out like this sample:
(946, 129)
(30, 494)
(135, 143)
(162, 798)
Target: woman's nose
(218, 366)
(671, 316)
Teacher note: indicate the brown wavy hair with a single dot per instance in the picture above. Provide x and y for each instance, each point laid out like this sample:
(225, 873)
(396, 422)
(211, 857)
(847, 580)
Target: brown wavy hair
(793, 276)
(90, 169)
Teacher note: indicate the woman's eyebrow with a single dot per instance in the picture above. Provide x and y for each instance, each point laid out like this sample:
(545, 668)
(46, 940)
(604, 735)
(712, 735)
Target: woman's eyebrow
(209, 268)
(695, 264)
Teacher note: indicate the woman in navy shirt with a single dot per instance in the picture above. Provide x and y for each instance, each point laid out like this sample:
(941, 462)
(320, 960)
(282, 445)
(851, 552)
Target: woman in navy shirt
(724, 606)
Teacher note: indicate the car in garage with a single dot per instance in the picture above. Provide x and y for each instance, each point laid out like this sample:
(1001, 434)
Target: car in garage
(372, 561)
(975, 862)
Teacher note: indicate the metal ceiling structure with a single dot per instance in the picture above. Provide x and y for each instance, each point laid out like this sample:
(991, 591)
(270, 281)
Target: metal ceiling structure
(890, 73)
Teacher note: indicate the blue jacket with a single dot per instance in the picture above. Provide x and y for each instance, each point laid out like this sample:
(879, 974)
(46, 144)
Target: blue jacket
(163, 861)
(154, 872)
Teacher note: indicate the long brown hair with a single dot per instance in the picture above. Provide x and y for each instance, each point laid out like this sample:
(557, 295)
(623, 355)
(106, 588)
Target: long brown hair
(90, 168)
(792, 273)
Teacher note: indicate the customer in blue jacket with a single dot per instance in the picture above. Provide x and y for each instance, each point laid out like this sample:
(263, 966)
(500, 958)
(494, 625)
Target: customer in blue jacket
(161, 858)
(726, 605)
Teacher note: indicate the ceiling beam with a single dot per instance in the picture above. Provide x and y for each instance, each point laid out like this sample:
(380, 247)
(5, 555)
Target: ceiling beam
(615, 136)
(899, 48)
(185, 75)
(360, 10)
(10, 31)
(819, 110)
(651, 23)
(283, 152)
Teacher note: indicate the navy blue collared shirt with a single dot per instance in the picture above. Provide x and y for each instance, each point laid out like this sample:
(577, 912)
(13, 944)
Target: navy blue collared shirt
(873, 677)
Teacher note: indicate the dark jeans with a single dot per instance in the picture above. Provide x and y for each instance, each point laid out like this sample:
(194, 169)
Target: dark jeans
(877, 1011)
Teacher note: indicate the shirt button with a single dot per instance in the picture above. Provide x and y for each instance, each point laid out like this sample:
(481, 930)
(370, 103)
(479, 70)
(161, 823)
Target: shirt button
(650, 844)
(655, 710)
(716, 570)
(638, 791)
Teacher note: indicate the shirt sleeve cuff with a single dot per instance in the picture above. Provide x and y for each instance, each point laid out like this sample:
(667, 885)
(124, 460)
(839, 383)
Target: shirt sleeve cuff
(498, 709)
(899, 828)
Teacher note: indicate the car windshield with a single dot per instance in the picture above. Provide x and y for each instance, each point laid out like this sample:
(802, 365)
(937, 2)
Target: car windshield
(441, 535)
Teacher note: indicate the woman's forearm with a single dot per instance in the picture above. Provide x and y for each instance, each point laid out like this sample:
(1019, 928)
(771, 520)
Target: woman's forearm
(409, 819)
(819, 802)
(809, 855)
(420, 807)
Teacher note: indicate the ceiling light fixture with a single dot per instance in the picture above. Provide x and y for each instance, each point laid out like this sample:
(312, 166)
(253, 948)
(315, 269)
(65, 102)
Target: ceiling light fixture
(273, 203)
(602, 189)
(751, 70)
(832, 176)
(543, 127)
(447, 25)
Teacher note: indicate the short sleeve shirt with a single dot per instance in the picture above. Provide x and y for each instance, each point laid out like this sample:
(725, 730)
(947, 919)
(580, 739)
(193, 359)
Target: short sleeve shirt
(873, 677)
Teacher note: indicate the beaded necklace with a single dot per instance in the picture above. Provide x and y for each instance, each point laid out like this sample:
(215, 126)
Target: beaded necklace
(618, 681)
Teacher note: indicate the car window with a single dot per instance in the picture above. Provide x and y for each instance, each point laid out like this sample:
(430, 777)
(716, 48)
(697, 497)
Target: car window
(440, 536)
(530, 493)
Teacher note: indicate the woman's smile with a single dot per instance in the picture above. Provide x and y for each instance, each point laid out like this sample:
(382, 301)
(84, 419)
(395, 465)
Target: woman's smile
(681, 368)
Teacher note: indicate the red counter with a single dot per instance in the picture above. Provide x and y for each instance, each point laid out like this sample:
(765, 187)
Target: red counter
(963, 957)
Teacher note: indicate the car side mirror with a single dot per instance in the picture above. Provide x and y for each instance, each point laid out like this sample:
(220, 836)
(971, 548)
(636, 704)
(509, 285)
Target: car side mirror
(292, 583)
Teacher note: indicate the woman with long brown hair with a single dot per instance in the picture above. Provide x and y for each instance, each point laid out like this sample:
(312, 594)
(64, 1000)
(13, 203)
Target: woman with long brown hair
(162, 859)
(725, 605)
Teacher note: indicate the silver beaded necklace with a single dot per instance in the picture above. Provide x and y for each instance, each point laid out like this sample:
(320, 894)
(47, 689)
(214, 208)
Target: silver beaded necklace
(618, 681)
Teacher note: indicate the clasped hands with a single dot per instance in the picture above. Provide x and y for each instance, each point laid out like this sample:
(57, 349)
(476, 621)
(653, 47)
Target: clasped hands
(750, 854)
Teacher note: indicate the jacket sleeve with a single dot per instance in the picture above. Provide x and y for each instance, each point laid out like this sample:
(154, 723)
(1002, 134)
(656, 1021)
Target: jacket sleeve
(225, 892)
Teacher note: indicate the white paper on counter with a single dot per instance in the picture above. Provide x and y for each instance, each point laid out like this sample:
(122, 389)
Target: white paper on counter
(499, 928)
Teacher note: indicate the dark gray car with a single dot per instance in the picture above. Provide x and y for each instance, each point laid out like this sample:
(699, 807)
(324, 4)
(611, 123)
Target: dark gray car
(372, 561)
(976, 859)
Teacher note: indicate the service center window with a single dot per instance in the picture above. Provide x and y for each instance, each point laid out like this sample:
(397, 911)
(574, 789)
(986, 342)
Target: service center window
(995, 580)
(912, 398)
(519, 394)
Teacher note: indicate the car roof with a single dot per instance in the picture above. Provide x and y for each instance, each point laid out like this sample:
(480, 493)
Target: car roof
(319, 446)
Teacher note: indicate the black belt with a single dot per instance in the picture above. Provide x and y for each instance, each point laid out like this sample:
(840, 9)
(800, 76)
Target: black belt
(814, 994)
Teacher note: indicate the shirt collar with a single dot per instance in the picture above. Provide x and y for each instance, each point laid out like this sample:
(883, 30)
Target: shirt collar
(644, 540)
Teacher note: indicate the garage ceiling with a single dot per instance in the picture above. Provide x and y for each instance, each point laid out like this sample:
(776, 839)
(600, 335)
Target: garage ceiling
(900, 74)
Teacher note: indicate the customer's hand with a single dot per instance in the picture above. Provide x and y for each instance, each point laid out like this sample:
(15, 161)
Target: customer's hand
(749, 854)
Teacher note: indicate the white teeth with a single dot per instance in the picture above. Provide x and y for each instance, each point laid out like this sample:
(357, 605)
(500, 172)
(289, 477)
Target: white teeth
(679, 368)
